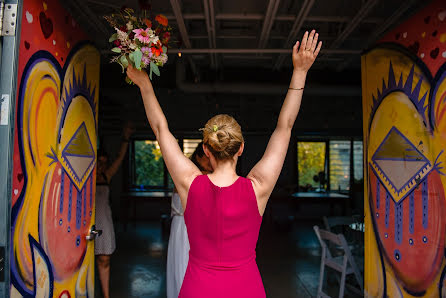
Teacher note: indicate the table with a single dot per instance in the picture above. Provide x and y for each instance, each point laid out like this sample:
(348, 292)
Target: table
(320, 195)
(328, 198)
(130, 200)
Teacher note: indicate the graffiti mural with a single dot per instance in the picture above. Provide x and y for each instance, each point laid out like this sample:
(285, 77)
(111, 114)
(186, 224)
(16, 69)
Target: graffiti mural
(404, 105)
(55, 156)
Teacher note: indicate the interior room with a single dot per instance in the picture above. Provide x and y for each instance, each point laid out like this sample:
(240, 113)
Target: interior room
(358, 208)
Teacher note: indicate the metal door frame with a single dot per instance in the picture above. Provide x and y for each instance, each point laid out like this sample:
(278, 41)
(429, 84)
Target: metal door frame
(9, 53)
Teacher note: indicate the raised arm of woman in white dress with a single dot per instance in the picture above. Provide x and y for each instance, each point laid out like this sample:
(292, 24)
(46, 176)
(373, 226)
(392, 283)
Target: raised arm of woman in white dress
(111, 171)
(265, 173)
(182, 170)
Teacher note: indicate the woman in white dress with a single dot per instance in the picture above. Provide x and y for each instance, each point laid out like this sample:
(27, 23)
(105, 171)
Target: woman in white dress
(178, 250)
(105, 244)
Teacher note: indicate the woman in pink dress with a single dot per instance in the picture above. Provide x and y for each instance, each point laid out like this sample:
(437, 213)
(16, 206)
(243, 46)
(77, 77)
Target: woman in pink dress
(223, 211)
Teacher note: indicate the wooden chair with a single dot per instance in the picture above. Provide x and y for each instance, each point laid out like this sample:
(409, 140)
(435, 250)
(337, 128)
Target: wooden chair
(345, 264)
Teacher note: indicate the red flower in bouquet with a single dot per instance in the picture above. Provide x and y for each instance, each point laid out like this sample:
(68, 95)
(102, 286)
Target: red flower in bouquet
(148, 23)
(166, 38)
(157, 51)
(162, 20)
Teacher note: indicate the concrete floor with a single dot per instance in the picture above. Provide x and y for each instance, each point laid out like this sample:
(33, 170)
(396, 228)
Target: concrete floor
(288, 261)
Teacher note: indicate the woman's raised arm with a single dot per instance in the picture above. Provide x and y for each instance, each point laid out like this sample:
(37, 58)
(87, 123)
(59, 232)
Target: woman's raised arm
(265, 173)
(182, 170)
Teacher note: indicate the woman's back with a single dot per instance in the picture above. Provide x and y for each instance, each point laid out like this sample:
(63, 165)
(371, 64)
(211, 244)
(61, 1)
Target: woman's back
(223, 225)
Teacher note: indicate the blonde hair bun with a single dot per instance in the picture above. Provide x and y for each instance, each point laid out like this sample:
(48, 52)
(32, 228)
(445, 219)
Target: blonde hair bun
(223, 136)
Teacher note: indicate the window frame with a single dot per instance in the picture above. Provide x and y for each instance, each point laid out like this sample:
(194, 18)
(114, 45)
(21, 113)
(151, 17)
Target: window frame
(327, 140)
(132, 168)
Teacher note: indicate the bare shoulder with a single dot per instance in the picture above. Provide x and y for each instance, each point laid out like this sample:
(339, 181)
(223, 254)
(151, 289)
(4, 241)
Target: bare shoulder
(259, 189)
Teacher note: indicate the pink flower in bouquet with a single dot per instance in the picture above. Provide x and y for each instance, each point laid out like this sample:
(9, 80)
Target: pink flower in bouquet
(143, 35)
(145, 60)
(146, 51)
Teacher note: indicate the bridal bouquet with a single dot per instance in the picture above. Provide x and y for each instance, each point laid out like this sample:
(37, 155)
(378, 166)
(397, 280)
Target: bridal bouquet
(139, 41)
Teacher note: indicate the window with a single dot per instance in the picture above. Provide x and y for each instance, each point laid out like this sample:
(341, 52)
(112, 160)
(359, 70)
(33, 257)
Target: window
(189, 146)
(311, 161)
(333, 156)
(148, 168)
(148, 164)
(340, 165)
(358, 171)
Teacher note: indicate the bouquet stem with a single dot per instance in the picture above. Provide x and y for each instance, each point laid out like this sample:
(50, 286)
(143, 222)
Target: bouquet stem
(127, 79)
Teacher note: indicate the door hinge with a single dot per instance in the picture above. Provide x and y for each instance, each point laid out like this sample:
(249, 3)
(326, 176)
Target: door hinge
(8, 19)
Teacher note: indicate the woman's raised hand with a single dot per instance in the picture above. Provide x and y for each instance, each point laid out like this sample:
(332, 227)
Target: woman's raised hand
(139, 77)
(304, 56)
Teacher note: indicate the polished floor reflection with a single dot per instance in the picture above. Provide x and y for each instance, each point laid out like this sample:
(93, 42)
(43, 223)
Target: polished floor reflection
(288, 257)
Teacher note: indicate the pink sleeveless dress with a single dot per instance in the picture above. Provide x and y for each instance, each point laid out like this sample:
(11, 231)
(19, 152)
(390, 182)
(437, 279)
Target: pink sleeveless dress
(223, 225)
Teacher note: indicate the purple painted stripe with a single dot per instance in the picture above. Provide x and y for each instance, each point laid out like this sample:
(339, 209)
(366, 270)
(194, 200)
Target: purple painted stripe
(91, 192)
(399, 222)
(378, 193)
(61, 190)
(70, 198)
(78, 210)
(411, 212)
(85, 201)
(387, 209)
(424, 194)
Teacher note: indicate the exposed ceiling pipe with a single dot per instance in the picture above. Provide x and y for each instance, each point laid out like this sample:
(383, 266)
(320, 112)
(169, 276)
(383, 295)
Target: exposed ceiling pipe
(251, 16)
(273, 6)
(208, 29)
(180, 22)
(88, 16)
(389, 22)
(256, 51)
(213, 27)
(355, 21)
(209, 13)
(258, 88)
(300, 18)
(259, 17)
(183, 32)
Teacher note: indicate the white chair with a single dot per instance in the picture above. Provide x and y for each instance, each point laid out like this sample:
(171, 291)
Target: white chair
(345, 264)
(342, 224)
(336, 221)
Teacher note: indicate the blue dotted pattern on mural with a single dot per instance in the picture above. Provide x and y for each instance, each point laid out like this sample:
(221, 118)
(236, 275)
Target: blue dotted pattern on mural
(378, 193)
(70, 197)
(399, 222)
(424, 192)
(78, 210)
(91, 192)
(397, 255)
(411, 212)
(61, 191)
(85, 202)
(387, 209)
